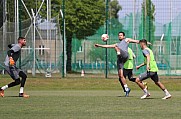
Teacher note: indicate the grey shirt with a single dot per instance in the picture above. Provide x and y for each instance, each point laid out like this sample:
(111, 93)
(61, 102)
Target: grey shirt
(146, 52)
(123, 45)
(17, 50)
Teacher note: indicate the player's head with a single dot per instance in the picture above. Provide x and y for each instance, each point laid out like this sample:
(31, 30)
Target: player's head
(22, 41)
(143, 43)
(121, 35)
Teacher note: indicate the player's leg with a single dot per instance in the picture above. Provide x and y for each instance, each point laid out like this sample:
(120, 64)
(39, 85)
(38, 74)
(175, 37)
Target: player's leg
(119, 66)
(154, 77)
(122, 58)
(122, 85)
(130, 75)
(117, 50)
(127, 89)
(124, 74)
(139, 80)
(23, 81)
(14, 75)
(118, 53)
(12, 84)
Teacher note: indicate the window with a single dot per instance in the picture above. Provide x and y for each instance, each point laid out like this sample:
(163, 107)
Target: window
(41, 50)
(80, 49)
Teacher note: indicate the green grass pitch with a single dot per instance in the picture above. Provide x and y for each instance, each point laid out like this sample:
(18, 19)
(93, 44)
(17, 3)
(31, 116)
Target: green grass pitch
(89, 98)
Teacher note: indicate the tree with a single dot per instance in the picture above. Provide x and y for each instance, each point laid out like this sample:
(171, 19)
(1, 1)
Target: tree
(83, 18)
(148, 9)
(114, 9)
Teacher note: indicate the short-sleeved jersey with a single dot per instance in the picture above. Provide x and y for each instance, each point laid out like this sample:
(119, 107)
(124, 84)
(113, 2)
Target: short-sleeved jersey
(123, 45)
(17, 51)
(153, 65)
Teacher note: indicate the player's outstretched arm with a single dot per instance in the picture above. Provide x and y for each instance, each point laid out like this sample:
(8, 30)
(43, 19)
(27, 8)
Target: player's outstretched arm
(129, 40)
(135, 41)
(105, 46)
(137, 67)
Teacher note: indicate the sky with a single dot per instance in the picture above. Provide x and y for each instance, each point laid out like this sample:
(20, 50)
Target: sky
(163, 9)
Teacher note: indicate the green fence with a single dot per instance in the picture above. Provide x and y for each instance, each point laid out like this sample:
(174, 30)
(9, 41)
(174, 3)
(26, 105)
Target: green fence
(157, 21)
(139, 21)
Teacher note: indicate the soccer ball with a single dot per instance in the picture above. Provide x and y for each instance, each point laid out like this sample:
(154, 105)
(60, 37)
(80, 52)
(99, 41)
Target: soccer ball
(104, 37)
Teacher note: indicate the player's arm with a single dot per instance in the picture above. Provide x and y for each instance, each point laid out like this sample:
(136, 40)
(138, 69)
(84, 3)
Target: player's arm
(129, 40)
(135, 41)
(148, 62)
(105, 46)
(10, 45)
(9, 53)
(137, 67)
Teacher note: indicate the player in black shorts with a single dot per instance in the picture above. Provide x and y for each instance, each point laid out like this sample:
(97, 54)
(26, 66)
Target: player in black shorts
(123, 56)
(128, 68)
(151, 72)
(10, 65)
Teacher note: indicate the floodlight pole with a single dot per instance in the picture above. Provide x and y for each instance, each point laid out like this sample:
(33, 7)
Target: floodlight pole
(106, 31)
(63, 37)
(19, 15)
(34, 41)
(150, 24)
(34, 56)
(4, 24)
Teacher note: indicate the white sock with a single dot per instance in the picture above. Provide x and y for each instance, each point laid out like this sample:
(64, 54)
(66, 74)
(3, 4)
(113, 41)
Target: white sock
(21, 90)
(126, 87)
(166, 92)
(118, 53)
(145, 91)
(4, 87)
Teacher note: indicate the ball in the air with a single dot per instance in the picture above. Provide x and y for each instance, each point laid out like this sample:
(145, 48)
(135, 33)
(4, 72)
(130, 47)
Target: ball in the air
(104, 37)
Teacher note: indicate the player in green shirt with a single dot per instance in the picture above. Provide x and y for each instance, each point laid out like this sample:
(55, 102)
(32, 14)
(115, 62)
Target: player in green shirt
(128, 68)
(151, 72)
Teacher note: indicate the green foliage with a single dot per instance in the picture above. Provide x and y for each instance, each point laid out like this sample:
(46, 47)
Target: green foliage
(84, 17)
(114, 8)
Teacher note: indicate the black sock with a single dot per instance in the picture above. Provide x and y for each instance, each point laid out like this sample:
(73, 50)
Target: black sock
(122, 84)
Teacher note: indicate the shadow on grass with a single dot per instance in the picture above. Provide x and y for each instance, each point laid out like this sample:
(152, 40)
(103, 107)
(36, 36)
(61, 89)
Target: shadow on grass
(149, 98)
(124, 96)
(14, 96)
